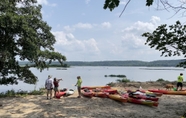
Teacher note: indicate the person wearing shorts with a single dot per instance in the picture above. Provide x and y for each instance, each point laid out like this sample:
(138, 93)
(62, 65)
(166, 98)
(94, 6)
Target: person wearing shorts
(56, 85)
(49, 86)
(78, 84)
(180, 82)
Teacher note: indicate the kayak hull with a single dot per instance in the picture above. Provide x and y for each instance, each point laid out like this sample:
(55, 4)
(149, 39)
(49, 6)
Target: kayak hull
(168, 92)
(88, 94)
(100, 94)
(118, 98)
(141, 101)
(145, 97)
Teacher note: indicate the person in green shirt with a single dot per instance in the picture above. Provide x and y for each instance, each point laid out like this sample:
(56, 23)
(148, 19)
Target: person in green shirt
(180, 81)
(78, 84)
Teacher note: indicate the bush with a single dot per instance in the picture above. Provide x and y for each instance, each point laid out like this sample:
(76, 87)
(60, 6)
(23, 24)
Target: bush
(12, 93)
(124, 80)
(160, 80)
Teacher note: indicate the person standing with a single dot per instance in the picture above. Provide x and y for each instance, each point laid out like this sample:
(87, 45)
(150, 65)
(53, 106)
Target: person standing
(78, 84)
(56, 85)
(49, 86)
(180, 81)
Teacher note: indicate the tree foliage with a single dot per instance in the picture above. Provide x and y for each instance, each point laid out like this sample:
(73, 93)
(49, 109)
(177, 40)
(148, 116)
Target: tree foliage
(170, 40)
(111, 4)
(24, 36)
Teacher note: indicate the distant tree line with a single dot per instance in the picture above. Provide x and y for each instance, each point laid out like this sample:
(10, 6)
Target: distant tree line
(158, 63)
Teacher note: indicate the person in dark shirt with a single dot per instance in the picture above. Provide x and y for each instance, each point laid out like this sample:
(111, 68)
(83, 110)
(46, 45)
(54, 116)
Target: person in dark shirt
(56, 85)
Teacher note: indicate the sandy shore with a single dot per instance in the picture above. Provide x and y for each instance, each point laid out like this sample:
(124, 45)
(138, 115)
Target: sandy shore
(37, 106)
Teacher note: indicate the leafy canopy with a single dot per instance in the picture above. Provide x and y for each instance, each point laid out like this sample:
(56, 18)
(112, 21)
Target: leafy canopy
(170, 40)
(111, 4)
(24, 36)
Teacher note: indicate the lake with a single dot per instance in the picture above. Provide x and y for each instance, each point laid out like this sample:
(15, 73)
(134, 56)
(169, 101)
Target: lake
(95, 76)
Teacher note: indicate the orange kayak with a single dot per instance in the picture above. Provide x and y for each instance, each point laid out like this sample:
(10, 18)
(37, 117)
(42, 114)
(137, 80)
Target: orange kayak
(100, 94)
(169, 92)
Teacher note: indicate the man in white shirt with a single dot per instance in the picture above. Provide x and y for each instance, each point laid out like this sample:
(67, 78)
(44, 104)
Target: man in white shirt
(49, 86)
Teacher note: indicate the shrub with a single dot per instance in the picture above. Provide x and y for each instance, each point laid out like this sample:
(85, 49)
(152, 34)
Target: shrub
(125, 80)
(160, 80)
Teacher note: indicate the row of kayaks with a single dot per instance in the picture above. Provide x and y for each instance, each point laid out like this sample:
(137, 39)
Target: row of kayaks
(145, 97)
(137, 97)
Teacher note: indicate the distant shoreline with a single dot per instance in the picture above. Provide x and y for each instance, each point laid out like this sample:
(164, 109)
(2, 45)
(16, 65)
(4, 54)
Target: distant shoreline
(159, 63)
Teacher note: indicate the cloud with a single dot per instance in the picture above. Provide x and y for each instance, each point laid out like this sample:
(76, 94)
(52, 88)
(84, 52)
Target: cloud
(83, 26)
(106, 24)
(139, 25)
(132, 41)
(68, 43)
(45, 2)
(143, 26)
(155, 19)
(68, 28)
(123, 2)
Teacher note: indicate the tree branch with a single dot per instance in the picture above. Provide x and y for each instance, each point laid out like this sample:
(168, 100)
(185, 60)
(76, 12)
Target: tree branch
(124, 8)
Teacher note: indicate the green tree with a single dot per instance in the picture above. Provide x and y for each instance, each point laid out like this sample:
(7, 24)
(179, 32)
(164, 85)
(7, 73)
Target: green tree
(111, 4)
(24, 36)
(171, 40)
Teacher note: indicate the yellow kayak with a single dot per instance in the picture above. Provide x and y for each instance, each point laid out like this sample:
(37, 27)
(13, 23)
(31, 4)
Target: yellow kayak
(117, 97)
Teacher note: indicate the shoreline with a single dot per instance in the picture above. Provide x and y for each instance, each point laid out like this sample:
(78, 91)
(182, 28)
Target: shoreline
(37, 106)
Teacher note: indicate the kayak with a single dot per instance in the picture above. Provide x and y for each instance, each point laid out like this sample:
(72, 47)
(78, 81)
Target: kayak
(87, 93)
(100, 94)
(152, 93)
(117, 98)
(141, 101)
(146, 97)
(58, 95)
(110, 91)
(69, 92)
(94, 87)
(64, 92)
(169, 92)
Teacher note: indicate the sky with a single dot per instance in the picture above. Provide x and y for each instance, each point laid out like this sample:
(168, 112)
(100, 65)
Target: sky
(84, 31)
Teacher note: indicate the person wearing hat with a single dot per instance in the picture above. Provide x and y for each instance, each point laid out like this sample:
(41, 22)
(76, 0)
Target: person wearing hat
(180, 81)
(49, 86)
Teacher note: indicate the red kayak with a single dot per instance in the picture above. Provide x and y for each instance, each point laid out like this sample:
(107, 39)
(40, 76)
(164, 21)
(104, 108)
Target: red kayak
(58, 95)
(110, 91)
(145, 97)
(87, 93)
(141, 101)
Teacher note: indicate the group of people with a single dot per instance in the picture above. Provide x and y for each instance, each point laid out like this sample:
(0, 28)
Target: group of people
(53, 84)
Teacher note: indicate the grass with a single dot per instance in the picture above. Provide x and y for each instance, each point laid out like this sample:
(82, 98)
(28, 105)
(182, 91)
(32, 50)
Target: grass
(13, 93)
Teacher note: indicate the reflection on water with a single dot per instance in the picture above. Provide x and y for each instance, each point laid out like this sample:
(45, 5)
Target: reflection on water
(95, 76)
